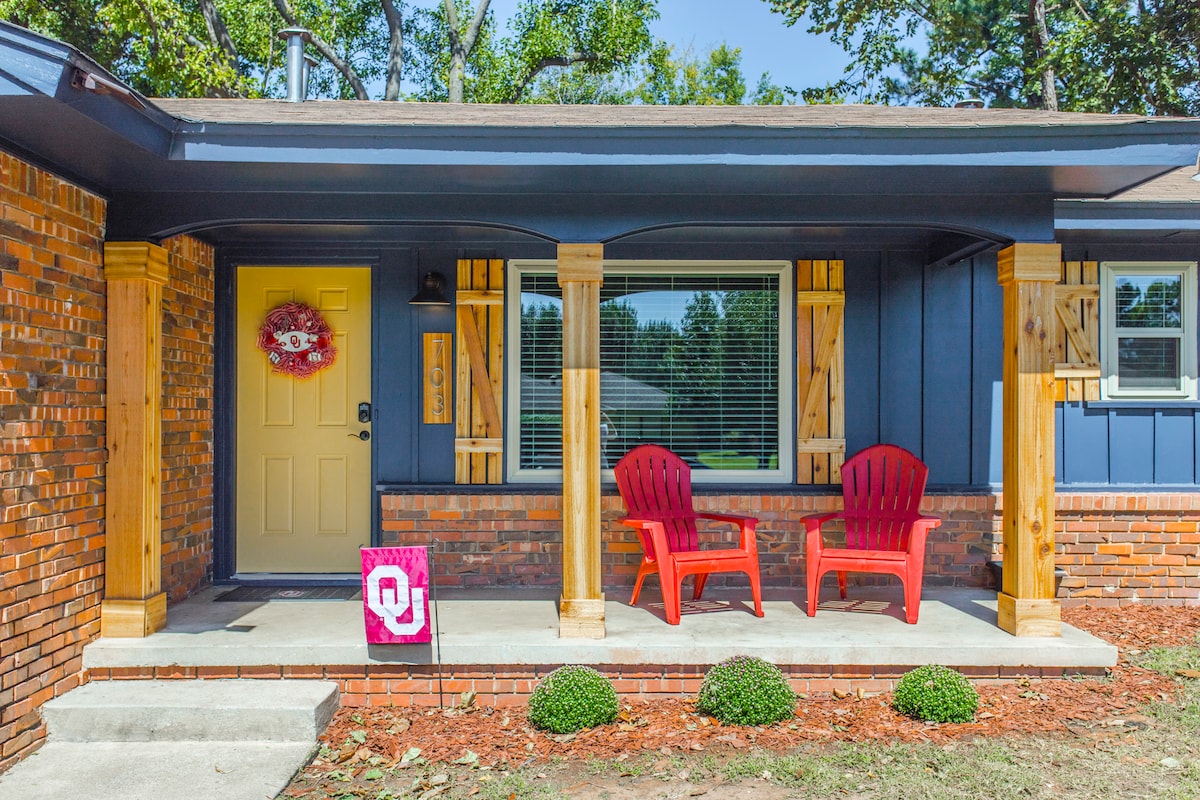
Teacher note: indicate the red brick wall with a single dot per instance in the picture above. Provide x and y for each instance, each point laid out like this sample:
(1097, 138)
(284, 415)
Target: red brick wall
(52, 447)
(1115, 548)
(1121, 549)
(52, 456)
(511, 684)
(489, 539)
(187, 418)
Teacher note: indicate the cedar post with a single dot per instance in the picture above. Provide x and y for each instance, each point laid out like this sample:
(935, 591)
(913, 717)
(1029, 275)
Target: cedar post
(134, 604)
(580, 274)
(1027, 605)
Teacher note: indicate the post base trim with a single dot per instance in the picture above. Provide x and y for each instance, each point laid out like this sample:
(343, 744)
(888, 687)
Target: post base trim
(133, 619)
(581, 618)
(1028, 617)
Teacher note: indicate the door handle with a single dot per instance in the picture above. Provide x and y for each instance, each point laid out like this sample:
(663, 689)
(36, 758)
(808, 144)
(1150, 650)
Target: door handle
(364, 435)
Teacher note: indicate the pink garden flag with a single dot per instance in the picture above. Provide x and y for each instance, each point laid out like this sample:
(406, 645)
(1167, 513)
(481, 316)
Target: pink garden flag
(395, 592)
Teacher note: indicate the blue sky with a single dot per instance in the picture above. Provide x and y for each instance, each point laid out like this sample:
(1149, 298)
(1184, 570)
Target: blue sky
(790, 55)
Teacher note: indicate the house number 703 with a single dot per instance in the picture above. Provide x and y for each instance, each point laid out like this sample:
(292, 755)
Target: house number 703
(436, 371)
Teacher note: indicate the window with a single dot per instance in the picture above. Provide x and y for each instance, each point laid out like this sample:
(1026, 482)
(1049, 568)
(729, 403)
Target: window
(694, 356)
(1148, 311)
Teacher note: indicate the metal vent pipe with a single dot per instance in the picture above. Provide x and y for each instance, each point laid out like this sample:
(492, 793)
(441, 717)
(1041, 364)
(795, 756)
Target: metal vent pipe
(297, 84)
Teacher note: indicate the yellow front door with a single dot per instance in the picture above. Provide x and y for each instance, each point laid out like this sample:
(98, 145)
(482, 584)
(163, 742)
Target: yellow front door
(303, 472)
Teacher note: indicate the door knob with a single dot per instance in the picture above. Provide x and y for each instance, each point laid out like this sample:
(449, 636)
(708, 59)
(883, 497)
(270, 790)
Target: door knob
(364, 435)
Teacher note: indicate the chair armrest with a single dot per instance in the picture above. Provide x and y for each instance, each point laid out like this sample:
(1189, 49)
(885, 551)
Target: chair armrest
(920, 531)
(736, 519)
(655, 530)
(747, 538)
(814, 522)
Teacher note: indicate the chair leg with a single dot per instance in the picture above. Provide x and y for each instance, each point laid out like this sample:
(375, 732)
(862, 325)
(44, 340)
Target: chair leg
(698, 582)
(912, 599)
(645, 569)
(841, 576)
(755, 588)
(814, 587)
(671, 581)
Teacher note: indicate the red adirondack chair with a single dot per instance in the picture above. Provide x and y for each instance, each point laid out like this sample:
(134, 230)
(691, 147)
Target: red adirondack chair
(882, 488)
(656, 486)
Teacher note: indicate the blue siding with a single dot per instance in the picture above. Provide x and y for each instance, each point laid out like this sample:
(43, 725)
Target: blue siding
(1059, 428)
(1174, 450)
(1131, 446)
(946, 417)
(986, 370)
(1083, 445)
(862, 350)
(900, 351)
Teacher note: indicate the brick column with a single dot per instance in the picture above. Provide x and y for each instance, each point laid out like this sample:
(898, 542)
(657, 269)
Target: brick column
(1027, 606)
(580, 274)
(134, 603)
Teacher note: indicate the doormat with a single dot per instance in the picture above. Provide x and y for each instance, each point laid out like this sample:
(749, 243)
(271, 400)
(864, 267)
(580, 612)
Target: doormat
(258, 594)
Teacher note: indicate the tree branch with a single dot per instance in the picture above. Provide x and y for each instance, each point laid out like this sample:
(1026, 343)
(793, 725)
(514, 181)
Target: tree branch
(218, 34)
(395, 57)
(476, 26)
(461, 47)
(324, 49)
(1037, 20)
(546, 63)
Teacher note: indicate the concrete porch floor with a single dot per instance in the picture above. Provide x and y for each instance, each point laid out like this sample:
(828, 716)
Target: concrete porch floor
(517, 627)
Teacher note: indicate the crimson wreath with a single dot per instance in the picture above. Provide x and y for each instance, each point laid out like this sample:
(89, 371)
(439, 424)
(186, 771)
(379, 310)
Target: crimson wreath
(297, 340)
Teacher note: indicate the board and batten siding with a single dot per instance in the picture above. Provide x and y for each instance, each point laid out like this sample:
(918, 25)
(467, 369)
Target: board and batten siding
(923, 362)
(923, 370)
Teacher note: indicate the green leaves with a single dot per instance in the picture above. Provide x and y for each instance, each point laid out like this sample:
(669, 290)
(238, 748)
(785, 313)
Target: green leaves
(936, 694)
(1101, 55)
(572, 698)
(745, 690)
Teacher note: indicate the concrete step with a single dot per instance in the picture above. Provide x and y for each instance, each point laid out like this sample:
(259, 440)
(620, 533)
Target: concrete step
(192, 710)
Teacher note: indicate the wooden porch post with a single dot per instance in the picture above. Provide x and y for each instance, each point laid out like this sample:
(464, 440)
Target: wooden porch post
(134, 603)
(1027, 606)
(580, 274)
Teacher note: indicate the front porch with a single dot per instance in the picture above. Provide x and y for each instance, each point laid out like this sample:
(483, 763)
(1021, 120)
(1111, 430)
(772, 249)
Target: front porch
(499, 642)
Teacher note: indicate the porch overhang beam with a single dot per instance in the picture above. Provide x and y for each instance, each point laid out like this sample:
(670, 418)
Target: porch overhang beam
(581, 607)
(1027, 605)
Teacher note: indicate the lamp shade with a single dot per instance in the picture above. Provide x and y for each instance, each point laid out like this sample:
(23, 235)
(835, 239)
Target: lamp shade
(431, 293)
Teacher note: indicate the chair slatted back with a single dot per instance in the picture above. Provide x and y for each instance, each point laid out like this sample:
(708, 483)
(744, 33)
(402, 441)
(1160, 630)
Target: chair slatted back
(656, 485)
(882, 487)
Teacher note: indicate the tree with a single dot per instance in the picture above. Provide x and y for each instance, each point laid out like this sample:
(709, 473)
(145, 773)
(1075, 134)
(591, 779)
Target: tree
(215, 48)
(1085, 55)
(457, 55)
(685, 80)
(698, 359)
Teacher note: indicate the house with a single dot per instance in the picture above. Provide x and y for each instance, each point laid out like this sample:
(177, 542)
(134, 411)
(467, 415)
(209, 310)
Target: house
(769, 288)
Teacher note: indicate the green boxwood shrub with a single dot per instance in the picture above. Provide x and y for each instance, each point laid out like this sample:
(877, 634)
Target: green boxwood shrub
(572, 698)
(744, 690)
(936, 694)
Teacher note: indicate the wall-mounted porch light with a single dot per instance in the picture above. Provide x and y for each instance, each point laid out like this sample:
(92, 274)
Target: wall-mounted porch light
(431, 293)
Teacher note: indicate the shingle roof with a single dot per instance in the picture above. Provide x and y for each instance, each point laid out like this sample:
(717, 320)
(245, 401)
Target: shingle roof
(1175, 186)
(353, 112)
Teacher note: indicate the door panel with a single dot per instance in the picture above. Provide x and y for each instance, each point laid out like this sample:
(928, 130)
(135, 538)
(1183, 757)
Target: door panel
(304, 475)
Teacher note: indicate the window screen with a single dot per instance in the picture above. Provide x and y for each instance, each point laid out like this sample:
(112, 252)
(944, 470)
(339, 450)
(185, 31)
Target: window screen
(688, 361)
(1150, 347)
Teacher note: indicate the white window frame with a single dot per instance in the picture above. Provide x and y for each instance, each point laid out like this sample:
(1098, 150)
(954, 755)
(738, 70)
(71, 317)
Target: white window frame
(787, 384)
(1109, 271)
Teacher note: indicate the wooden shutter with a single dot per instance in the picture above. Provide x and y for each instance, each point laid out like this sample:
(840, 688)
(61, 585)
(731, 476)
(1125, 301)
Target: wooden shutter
(820, 372)
(479, 393)
(1077, 303)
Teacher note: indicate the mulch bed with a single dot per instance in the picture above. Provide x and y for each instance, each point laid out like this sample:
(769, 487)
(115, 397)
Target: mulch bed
(503, 737)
